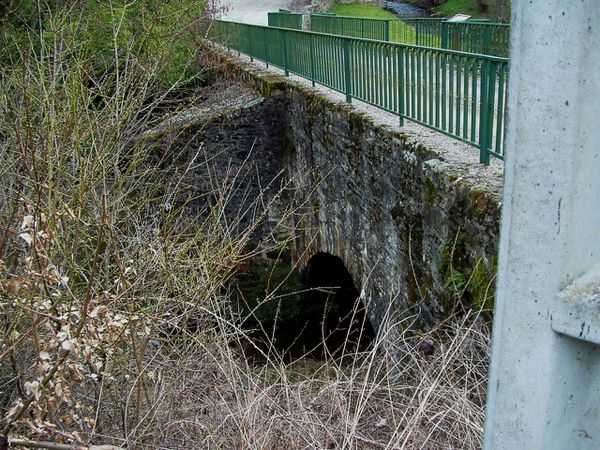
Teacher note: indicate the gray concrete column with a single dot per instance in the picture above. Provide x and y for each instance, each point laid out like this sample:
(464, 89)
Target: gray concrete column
(544, 388)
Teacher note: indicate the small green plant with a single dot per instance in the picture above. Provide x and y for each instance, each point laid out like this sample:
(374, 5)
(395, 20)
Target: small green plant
(455, 282)
(474, 283)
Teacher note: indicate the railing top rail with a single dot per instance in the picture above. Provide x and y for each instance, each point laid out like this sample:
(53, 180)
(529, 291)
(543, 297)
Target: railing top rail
(437, 19)
(287, 13)
(375, 19)
(392, 44)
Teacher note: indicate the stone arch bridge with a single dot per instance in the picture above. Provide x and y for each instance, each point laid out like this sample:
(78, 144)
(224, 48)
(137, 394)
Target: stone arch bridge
(413, 218)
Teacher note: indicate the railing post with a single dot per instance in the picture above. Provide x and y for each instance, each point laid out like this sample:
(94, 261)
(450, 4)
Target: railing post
(445, 29)
(266, 49)
(250, 51)
(347, 69)
(484, 113)
(312, 58)
(401, 87)
(285, 54)
(487, 40)
(387, 30)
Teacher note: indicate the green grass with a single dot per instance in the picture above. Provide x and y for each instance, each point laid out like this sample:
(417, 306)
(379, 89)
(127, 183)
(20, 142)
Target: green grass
(360, 10)
(399, 32)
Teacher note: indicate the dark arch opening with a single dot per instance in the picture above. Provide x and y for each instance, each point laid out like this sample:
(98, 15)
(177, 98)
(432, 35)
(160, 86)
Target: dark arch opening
(330, 318)
(338, 310)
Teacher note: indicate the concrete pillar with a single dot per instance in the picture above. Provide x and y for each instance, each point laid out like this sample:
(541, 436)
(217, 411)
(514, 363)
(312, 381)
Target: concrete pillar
(544, 388)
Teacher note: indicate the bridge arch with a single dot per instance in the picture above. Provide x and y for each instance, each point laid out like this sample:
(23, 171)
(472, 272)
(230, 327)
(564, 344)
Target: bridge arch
(333, 303)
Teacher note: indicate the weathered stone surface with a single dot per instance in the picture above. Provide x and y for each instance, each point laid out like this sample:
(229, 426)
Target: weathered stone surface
(225, 102)
(229, 149)
(417, 229)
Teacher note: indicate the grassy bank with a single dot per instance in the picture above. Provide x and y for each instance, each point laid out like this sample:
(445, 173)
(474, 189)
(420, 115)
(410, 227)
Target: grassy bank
(360, 10)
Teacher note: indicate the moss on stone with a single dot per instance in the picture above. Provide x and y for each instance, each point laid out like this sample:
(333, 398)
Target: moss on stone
(430, 195)
(479, 201)
(481, 285)
(463, 280)
(268, 290)
(270, 86)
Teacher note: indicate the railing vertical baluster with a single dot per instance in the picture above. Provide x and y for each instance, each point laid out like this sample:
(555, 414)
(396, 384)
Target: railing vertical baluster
(402, 80)
(387, 30)
(285, 54)
(500, 110)
(491, 102)
(266, 48)
(438, 87)
(347, 69)
(444, 70)
(430, 86)
(445, 28)
(487, 40)
(312, 58)
(390, 77)
(484, 156)
(451, 94)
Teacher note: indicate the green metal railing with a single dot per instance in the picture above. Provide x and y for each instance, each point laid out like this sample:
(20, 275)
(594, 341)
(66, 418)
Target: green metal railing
(285, 19)
(378, 29)
(483, 37)
(486, 38)
(459, 94)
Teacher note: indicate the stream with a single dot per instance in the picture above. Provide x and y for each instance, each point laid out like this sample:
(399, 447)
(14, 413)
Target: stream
(402, 9)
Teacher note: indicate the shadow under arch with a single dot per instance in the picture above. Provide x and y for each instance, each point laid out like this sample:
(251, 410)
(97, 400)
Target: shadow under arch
(335, 304)
(331, 317)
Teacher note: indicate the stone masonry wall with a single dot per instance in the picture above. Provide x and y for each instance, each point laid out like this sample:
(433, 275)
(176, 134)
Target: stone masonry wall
(417, 232)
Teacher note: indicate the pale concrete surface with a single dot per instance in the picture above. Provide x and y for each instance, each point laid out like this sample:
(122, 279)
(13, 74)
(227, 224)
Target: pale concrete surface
(544, 390)
(252, 11)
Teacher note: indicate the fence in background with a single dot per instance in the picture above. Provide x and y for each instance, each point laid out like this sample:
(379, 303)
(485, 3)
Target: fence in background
(486, 38)
(460, 94)
(377, 29)
(285, 19)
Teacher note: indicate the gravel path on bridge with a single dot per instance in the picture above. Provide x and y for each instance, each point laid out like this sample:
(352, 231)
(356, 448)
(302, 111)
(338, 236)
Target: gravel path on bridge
(252, 11)
(461, 156)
